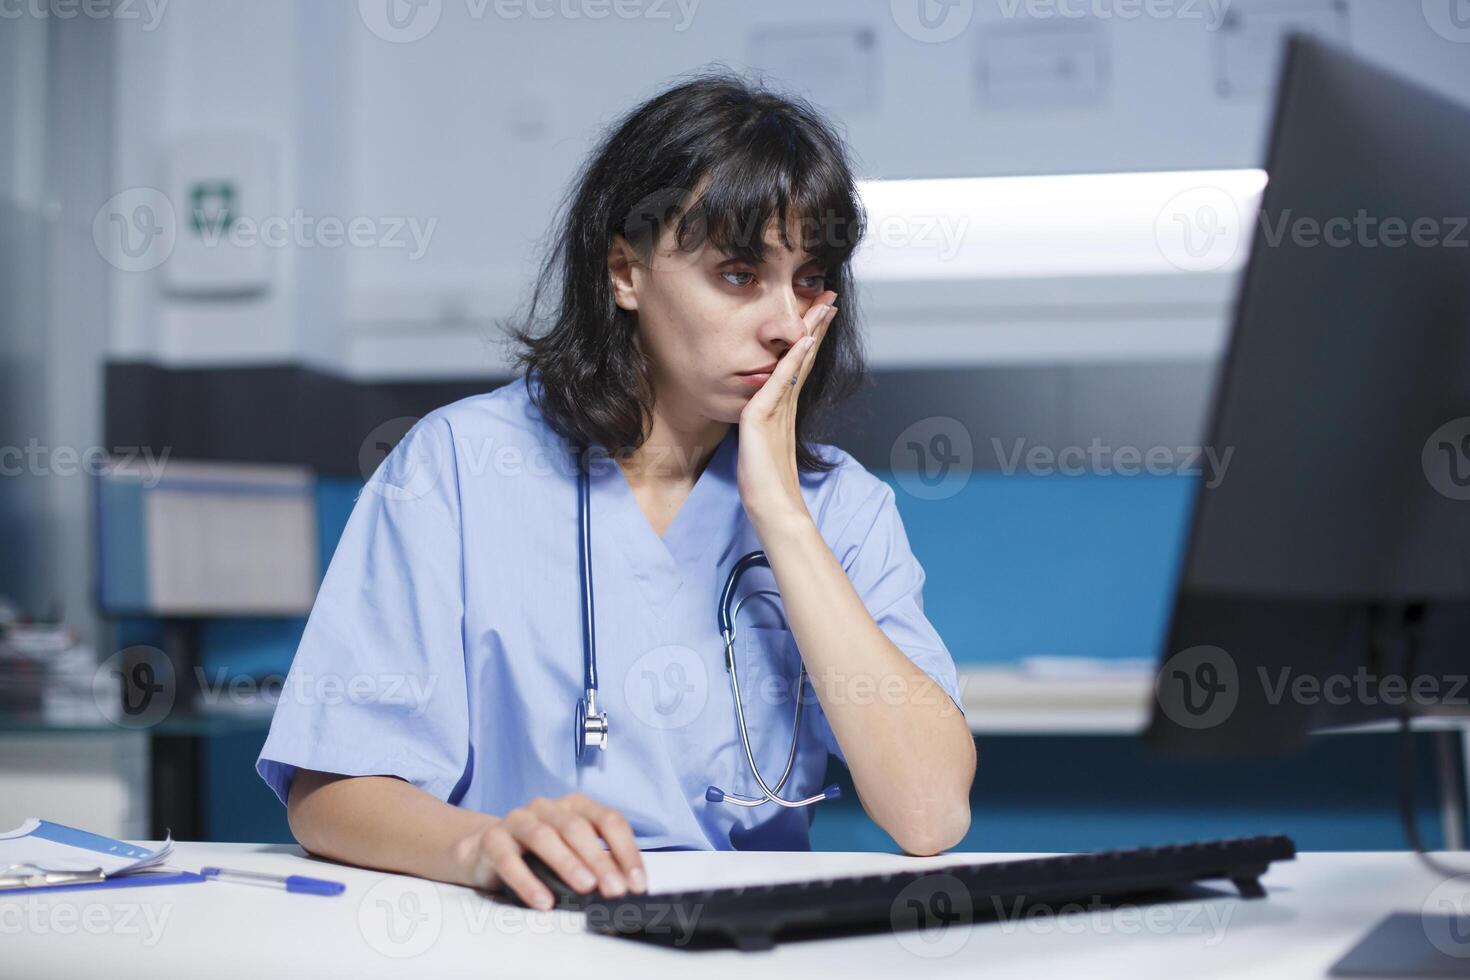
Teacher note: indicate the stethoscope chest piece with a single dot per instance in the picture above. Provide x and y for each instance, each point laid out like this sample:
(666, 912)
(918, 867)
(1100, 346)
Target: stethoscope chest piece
(591, 730)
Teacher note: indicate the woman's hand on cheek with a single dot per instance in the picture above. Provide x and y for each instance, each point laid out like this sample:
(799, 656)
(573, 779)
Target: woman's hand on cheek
(766, 473)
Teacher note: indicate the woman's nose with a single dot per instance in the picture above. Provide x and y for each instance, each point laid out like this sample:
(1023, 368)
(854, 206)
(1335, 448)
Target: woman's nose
(789, 319)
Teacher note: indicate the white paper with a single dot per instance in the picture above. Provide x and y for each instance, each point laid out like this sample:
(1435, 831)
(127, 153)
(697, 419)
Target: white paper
(23, 850)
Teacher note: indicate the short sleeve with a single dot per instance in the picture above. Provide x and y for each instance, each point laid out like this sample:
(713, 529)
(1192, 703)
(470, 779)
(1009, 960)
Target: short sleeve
(377, 685)
(874, 551)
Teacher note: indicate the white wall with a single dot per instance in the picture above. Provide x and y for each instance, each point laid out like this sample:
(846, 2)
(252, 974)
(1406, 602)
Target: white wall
(208, 67)
(478, 125)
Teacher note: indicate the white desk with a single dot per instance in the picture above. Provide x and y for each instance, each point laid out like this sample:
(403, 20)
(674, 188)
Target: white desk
(385, 925)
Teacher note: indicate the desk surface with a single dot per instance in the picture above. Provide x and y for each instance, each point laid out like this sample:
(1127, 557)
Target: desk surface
(386, 925)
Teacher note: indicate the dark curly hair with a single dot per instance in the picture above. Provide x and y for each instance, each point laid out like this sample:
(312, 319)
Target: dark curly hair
(749, 154)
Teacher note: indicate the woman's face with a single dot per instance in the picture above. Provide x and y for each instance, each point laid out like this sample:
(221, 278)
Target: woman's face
(704, 318)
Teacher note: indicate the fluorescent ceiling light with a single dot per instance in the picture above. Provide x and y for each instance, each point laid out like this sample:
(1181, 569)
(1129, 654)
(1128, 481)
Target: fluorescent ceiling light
(1120, 224)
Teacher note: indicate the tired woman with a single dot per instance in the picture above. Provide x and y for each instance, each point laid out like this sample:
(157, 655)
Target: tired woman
(628, 600)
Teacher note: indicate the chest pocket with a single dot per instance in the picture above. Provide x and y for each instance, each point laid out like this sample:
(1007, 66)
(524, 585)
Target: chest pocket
(770, 666)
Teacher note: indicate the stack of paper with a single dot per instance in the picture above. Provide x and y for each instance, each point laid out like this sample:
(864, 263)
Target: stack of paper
(40, 853)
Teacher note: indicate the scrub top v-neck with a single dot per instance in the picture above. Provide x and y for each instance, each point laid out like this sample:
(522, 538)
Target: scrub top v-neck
(445, 643)
(657, 562)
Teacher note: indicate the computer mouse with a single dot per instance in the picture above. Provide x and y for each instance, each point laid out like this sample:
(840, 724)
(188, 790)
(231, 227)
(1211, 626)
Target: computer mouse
(563, 896)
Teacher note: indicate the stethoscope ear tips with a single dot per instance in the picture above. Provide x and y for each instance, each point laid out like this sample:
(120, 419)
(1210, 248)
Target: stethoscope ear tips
(716, 795)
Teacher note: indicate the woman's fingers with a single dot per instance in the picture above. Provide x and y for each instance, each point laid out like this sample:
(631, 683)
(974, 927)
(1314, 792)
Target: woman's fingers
(788, 367)
(818, 335)
(802, 356)
(535, 832)
(813, 315)
(821, 313)
(567, 834)
(580, 836)
(817, 320)
(615, 829)
(505, 853)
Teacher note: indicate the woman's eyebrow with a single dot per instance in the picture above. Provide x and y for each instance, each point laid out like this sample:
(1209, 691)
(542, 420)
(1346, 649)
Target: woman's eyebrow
(750, 255)
(744, 252)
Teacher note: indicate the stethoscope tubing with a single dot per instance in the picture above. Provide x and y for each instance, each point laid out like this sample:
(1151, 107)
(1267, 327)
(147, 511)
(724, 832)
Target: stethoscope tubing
(589, 634)
(587, 716)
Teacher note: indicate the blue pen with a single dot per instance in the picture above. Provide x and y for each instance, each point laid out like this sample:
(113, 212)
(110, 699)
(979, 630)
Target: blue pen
(292, 883)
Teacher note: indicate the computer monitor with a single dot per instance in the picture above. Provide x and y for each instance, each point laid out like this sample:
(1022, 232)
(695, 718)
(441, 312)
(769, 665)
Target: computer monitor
(1327, 574)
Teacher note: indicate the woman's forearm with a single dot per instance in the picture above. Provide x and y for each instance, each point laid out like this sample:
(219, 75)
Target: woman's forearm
(386, 823)
(909, 750)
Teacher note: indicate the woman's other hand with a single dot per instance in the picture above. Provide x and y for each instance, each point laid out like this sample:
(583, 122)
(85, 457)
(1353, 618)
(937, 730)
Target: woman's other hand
(567, 833)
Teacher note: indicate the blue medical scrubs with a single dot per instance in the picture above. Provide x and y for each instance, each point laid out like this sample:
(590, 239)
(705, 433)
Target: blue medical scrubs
(445, 644)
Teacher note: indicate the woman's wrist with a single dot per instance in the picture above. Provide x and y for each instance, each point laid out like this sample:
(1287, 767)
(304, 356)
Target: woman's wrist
(781, 522)
(469, 862)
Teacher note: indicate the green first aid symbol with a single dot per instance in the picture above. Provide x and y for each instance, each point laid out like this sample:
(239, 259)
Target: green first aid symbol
(212, 207)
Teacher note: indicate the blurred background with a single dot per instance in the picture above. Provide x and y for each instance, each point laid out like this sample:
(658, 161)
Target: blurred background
(244, 245)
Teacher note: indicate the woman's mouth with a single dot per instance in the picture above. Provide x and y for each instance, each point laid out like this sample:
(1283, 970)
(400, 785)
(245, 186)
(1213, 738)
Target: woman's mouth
(757, 377)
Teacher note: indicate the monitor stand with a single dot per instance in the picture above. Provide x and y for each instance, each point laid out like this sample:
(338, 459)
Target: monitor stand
(1407, 944)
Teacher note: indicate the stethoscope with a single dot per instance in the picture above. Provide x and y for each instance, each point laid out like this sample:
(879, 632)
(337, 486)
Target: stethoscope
(591, 724)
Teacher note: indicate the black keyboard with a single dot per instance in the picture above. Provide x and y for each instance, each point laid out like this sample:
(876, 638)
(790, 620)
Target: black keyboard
(755, 917)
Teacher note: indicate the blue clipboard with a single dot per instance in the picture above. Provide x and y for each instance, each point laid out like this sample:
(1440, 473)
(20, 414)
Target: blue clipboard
(122, 881)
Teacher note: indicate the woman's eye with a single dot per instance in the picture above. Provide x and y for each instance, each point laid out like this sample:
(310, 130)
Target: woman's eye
(817, 282)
